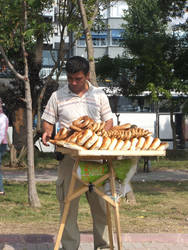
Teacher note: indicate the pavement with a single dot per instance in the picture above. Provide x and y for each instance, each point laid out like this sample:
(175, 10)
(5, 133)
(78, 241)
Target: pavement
(131, 241)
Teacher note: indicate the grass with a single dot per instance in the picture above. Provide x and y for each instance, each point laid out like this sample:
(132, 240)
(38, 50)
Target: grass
(161, 207)
(164, 163)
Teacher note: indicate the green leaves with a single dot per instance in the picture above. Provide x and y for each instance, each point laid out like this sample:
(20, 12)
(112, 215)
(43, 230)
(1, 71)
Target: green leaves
(158, 52)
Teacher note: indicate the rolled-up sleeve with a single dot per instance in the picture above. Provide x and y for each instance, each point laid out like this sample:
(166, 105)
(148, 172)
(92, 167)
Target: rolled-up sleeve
(50, 113)
(106, 112)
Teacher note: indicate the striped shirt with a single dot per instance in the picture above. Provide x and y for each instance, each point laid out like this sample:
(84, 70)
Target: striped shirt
(3, 128)
(64, 106)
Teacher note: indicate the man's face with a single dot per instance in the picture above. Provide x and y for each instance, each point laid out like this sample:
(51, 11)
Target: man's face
(77, 81)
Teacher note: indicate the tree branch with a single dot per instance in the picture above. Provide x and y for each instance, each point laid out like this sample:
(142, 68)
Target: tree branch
(9, 64)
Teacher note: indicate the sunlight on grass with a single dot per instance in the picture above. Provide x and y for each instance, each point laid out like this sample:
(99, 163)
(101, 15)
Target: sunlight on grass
(161, 207)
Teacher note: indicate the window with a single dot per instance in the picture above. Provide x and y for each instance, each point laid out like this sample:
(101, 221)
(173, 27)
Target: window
(82, 42)
(99, 39)
(116, 36)
(47, 57)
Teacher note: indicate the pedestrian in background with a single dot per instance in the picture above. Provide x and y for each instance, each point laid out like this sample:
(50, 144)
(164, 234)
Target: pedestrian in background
(3, 141)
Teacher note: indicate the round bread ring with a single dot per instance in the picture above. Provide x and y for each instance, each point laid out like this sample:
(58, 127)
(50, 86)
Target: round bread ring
(90, 125)
(75, 128)
(97, 127)
(94, 126)
(81, 122)
(102, 125)
(62, 134)
(129, 135)
(73, 137)
(123, 126)
(56, 137)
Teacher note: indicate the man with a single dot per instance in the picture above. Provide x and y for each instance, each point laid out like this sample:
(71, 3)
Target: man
(3, 141)
(77, 99)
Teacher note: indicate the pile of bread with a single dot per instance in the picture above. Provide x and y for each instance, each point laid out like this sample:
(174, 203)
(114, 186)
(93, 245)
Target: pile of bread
(85, 133)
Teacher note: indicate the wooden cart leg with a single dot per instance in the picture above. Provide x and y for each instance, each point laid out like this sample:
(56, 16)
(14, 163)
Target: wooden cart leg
(66, 207)
(109, 221)
(116, 208)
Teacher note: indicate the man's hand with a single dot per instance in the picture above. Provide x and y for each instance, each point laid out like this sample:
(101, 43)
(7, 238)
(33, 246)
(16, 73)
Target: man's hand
(109, 124)
(45, 138)
(48, 129)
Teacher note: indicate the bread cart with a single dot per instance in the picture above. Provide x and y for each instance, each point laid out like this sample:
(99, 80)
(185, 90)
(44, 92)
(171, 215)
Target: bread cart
(110, 157)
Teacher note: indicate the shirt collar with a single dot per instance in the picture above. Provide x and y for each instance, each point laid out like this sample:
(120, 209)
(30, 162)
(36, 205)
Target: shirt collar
(69, 92)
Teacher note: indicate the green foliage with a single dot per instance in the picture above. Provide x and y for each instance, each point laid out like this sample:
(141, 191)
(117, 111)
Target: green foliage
(155, 50)
(12, 22)
(107, 67)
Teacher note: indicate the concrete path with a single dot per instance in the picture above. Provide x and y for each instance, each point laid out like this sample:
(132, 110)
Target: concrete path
(51, 175)
(130, 242)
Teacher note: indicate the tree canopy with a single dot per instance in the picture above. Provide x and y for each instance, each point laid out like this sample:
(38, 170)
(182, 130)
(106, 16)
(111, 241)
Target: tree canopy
(155, 45)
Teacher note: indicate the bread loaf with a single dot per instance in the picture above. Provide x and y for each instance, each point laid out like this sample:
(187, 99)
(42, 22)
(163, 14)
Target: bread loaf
(155, 144)
(112, 144)
(162, 146)
(84, 137)
(147, 143)
(140, 143)
(127, 145)
(97, 144)
(91, 141)
(91, 135)
(119, 145)
(106, 143)
(134, 141)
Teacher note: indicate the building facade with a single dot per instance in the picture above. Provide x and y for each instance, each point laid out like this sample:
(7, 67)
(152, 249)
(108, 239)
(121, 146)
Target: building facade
(106, 42)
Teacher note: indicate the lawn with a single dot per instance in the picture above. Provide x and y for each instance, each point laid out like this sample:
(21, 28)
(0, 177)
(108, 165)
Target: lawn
(161, 207)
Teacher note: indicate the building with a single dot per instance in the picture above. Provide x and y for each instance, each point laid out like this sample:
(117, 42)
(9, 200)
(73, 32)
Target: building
(106, 42)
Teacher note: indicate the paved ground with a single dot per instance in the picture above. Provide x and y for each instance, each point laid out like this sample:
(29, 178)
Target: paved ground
(51, 175)
(130, 242)
(166, 241)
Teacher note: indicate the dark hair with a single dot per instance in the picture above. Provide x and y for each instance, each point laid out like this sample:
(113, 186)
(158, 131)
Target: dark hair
(76, 64)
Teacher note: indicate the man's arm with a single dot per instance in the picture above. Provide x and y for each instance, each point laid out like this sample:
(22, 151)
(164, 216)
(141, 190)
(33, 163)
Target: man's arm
(47, 132)
(109, 124)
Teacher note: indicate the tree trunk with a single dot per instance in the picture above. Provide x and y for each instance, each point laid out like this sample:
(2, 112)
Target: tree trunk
(89, 43)
(19, 128)
(32, 192)
(13, 158)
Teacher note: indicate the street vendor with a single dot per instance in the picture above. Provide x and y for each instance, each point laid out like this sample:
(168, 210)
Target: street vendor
(78, 98)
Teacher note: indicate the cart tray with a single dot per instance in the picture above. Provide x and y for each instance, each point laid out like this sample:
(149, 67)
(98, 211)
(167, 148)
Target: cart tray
(109, 153)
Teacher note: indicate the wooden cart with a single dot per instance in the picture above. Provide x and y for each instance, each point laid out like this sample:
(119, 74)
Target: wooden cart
(109, 156)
